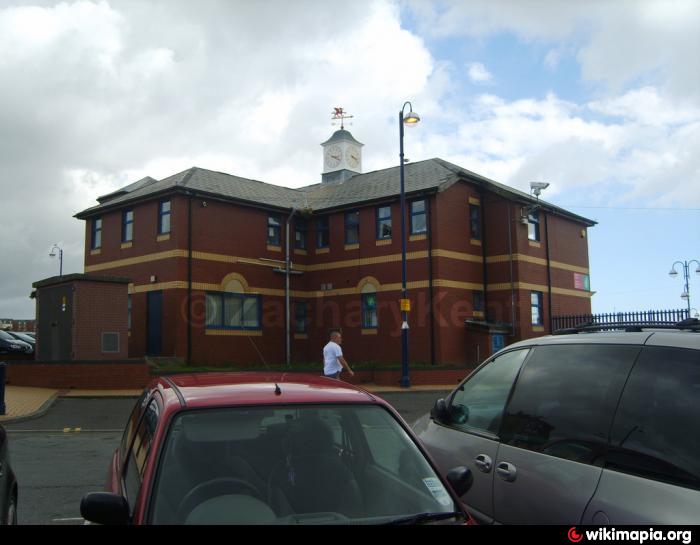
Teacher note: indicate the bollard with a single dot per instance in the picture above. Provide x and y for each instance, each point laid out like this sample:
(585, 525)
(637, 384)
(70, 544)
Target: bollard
(3, 368)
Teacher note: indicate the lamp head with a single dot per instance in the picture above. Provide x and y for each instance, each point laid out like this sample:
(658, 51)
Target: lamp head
(673, 272)
(411, 119)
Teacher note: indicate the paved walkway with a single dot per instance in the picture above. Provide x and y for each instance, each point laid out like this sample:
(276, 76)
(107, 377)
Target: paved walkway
(23, 403)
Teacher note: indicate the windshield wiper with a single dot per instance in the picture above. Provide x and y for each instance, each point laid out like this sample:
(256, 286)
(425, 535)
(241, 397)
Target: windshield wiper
(420, 518)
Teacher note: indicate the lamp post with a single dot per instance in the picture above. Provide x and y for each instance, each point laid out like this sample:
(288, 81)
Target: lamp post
(410, 119)
(686, 275)
(60, 257)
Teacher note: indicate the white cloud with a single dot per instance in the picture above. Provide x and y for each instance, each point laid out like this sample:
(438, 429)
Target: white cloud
(478, 73)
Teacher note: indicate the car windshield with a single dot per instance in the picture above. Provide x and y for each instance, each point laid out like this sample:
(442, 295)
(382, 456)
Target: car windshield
(294, 465)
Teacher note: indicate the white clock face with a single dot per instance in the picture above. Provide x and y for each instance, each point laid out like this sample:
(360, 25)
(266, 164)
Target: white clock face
(333, 156)
(353, 157)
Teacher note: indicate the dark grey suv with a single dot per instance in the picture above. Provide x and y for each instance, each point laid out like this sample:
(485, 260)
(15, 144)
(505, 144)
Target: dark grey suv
(584, 428)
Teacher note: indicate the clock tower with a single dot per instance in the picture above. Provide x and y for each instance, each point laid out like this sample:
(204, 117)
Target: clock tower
(342, 154)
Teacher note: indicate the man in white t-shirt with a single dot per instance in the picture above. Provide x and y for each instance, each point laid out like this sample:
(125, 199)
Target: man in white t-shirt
(333, 360)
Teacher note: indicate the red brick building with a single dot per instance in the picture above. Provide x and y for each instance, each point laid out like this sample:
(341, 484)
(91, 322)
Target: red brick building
(206, 254)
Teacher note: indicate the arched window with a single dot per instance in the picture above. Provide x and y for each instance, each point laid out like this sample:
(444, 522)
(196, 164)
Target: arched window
(233, 308)
(368, 294)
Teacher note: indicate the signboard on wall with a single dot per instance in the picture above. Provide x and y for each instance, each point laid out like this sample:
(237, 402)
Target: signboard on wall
(582, 282)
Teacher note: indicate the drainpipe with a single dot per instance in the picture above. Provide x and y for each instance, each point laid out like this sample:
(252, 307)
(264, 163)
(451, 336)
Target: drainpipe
(549, 271)
(510, 259)
(288, 346)
(189, 278)
(482, 219)
(431, 312)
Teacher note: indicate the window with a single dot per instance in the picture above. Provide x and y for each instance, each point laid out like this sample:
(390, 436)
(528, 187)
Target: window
(536, 307)
(479, 402)
(138, 455)
(127, 226)
(274, 231)
(478, 301)
(128, 310)
(301, 230)
(419, 223)
(369, 310)
(322, 233)
(96, 234)
(232, 311)
(352, 227)
(384, 222)
(565, 399)
(655, 430)
(475, 221)
(164, 217)
(533, 226)
(301, 317)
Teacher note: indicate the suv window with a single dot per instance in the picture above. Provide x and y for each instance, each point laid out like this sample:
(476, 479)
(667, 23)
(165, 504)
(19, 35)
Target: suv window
(138, 455)
(478, 403)
(565, 399)
(655, 434)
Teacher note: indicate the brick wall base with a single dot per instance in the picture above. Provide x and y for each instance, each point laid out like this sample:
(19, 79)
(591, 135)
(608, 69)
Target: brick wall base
(88, 375)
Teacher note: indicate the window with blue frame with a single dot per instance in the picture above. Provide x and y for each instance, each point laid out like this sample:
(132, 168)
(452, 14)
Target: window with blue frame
(536, 306)
(475, 221)
(419, 223)
(369, 311)
(233, 311)
(274, 231)
(164, 217)
(322, 233)
(301, 230)
(352, 227)
(96, 239)
(384, 223)
(301, 314)
(127, 225)
(533, 226)
(478, 301)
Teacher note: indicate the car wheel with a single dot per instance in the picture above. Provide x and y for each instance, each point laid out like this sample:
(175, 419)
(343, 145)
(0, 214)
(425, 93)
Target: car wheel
(11, 518)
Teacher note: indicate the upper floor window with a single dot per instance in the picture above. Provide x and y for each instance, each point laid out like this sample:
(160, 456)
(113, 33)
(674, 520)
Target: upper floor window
(96, 239)
(164, 217)
(533, 226)
(322, 233)
(536, 306)
(384, 222)
(352, 227)
(274, 230)
(127, 226)
(419, 224)
(475, 221)
(301, 230)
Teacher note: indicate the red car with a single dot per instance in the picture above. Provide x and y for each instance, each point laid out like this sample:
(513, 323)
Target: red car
(253, 448)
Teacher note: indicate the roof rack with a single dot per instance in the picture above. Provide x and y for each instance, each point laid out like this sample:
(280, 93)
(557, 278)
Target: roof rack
(689, 324)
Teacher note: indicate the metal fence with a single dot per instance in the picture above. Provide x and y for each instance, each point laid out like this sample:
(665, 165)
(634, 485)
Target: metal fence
(648, 317)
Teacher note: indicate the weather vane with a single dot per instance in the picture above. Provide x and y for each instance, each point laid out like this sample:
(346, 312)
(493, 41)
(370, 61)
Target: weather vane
(339, 113)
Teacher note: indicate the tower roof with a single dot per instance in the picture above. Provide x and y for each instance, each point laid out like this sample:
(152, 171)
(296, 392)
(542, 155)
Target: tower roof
(342, 135)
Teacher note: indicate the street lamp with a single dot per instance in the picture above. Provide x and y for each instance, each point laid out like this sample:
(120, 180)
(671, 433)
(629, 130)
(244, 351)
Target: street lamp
(686, 275)
(411, 119)
(60, 257)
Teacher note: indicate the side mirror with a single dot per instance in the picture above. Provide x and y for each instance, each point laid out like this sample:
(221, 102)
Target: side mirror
(440, 412)
(461, 479)
(104, 508)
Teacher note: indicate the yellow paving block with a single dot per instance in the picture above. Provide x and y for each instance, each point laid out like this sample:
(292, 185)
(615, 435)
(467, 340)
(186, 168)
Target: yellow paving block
(24, 401)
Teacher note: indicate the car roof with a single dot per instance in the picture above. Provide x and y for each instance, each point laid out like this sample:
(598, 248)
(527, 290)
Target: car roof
(226, 389)
(650, 337)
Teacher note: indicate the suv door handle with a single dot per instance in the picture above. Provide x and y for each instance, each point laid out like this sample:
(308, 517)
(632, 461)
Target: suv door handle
(506, 471)
(484, 463)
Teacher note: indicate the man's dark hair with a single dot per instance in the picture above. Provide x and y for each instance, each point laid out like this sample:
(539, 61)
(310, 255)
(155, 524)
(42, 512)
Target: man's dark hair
(334, 333)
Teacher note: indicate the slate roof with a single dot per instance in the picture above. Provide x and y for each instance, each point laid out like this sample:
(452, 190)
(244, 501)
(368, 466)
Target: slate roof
(423, 176)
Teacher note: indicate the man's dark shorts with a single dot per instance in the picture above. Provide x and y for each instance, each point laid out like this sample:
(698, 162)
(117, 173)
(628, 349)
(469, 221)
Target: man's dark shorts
(334, 375)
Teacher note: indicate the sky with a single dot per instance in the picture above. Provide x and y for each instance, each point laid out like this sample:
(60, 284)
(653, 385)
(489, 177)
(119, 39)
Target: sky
(601, 99)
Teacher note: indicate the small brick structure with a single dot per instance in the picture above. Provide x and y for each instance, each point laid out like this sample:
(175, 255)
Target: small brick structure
(82, 318)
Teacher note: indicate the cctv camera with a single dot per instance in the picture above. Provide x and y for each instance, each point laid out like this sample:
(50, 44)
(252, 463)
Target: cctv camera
(538, 185)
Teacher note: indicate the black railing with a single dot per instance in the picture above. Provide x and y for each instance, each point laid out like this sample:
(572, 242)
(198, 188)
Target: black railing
(648, 317)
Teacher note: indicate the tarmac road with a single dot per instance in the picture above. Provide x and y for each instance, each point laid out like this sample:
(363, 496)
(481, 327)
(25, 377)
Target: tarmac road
(64, 454)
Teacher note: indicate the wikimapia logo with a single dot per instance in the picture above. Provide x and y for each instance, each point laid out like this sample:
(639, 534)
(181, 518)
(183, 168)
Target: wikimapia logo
(637, 536)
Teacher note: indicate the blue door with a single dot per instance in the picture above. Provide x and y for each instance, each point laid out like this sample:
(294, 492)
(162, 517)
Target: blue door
(154, 316)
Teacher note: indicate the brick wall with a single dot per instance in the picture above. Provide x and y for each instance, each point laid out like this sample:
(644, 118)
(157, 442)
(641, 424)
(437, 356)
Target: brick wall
(99, 375)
